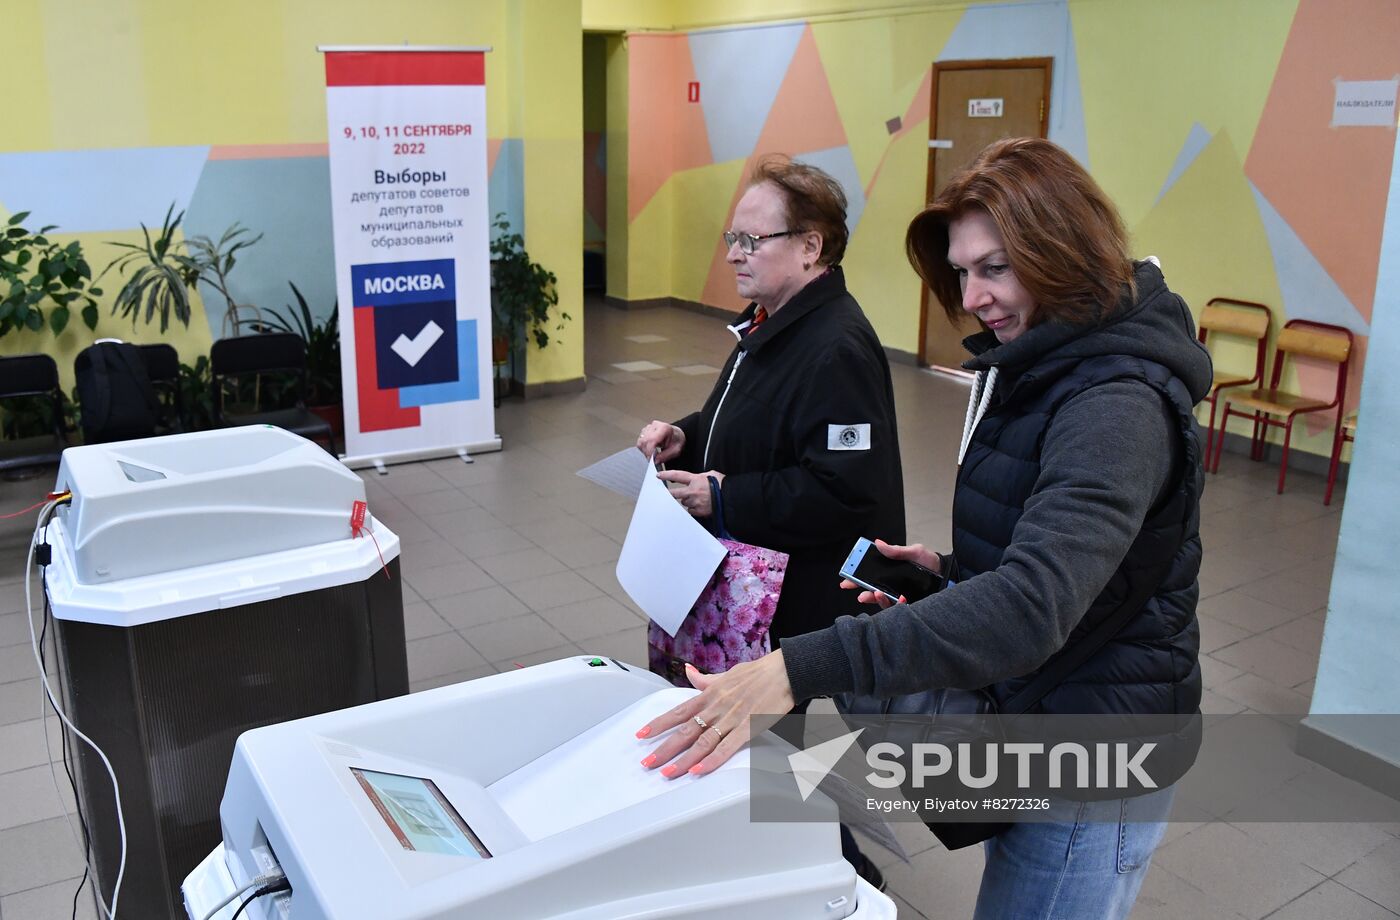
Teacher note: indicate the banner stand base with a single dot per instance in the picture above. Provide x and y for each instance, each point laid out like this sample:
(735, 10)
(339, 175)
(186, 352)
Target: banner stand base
(381, 461)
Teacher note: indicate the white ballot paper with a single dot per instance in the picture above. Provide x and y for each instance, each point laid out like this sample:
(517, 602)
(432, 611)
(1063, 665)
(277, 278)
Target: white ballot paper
(622, 472)
(667, 557)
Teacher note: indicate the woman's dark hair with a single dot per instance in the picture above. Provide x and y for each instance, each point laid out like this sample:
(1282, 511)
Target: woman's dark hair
(813, 201)
(1064, 239)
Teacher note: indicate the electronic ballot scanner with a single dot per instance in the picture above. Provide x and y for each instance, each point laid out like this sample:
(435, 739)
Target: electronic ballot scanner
(201, 585)
(517, 795)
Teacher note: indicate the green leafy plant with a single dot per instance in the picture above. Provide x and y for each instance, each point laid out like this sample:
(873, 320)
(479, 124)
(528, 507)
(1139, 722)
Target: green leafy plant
(524, 290)
(214, 261)
(322, 346)
(36, 272)
(162, 277)
(196, 394)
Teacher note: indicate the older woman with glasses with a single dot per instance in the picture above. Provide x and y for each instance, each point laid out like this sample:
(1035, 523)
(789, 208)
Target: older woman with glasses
(800, 427)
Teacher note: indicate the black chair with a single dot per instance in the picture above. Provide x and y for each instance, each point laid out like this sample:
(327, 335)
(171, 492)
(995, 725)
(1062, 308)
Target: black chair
(278, 353)
(163, 367)
(33, 376)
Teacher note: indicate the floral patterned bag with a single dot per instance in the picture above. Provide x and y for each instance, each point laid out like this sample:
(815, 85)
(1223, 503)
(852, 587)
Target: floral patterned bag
(732, 617)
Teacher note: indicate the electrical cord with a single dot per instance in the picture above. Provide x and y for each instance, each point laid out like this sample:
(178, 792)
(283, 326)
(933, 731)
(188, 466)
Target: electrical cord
(45, 705)
(82, 823)
(266, 880)
(44, 516)
(85, 844)
(283, 885)
(67, 769)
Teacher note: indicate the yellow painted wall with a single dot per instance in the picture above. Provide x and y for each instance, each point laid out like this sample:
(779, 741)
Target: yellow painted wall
(222, 73)
(697, 235)
(153, 73)
(547, 111)
(1142, 97)
(651, 248)
(629, 15)
(877, 272)
(895, 171)
(679, 15)
(618, 231)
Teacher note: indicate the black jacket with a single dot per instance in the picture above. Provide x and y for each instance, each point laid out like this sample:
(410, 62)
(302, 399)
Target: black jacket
(1082, 477)
(773, 426)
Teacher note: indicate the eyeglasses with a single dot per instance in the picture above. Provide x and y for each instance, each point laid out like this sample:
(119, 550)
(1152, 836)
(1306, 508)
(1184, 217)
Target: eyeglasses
(748, 242)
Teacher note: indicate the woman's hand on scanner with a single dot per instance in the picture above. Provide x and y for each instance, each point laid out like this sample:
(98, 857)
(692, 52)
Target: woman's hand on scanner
(725, 703)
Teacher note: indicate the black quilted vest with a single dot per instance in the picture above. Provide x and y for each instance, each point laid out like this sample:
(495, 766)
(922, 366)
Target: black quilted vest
(1151, 666)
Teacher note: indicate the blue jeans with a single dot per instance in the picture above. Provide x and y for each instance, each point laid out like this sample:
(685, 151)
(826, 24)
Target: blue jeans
(1086, 866)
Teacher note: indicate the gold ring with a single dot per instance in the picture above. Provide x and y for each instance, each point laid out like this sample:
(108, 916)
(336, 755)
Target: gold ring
(702, 723)
(715, 729)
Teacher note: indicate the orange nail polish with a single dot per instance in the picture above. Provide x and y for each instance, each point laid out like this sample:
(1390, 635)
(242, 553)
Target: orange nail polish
(644, 731)
(649, 760)
(695, 770)
(669, 771)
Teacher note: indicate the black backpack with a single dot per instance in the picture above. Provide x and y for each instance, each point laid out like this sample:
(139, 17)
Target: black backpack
(115, 393)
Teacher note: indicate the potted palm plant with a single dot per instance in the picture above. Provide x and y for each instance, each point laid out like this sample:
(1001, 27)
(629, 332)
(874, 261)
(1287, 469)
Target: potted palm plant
(164, 270)
(214, 261)
(162, 275)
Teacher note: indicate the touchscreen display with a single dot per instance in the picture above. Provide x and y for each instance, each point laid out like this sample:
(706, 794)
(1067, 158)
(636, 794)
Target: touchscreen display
(419, 815)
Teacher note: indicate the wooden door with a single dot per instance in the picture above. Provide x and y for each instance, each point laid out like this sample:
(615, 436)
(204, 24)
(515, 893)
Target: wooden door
(973, 104)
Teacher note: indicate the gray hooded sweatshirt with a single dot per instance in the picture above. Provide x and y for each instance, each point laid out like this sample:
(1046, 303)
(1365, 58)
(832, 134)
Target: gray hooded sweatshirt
(1106, 456)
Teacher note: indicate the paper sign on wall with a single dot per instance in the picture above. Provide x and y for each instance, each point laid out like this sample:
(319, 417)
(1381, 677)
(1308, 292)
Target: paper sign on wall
(985, 108)
(1364, 103)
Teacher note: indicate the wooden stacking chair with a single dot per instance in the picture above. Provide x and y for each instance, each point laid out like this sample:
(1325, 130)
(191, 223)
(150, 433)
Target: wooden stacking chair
(1243, 319)
(1299, 338)
(1346, 433)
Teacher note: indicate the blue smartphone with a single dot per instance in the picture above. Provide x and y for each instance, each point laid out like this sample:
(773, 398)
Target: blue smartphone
(895, 578)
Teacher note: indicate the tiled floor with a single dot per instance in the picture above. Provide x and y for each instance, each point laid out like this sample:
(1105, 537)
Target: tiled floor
(510, 561)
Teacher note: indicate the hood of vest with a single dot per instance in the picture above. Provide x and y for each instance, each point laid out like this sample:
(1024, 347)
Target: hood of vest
(1149, 327)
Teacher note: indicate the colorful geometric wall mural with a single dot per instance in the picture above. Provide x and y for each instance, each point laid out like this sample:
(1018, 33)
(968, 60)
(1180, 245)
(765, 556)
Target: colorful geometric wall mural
(1211, 125)
(1215, 137)
(279, 190)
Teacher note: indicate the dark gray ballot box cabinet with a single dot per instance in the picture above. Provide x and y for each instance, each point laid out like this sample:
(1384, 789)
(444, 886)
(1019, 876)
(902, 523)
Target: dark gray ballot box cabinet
(201, 585)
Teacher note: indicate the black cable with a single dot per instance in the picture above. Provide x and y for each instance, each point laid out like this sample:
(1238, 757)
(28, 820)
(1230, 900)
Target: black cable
(63, 745)
(280, 885)
(64, 742)
(82, 823)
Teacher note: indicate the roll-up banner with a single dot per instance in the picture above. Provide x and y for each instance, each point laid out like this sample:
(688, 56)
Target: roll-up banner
(408, 164)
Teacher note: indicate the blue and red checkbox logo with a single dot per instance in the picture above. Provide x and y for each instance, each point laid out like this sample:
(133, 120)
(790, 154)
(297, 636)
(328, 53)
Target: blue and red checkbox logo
(410, 347)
